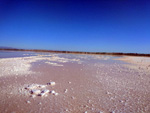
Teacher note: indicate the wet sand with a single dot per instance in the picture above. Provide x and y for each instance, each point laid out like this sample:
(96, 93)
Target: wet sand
(84, 84)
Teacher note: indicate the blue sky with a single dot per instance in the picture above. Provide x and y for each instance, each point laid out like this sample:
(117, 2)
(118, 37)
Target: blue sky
(76, 25)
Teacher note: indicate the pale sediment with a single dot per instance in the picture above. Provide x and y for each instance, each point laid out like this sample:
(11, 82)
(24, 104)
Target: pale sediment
(138, 63)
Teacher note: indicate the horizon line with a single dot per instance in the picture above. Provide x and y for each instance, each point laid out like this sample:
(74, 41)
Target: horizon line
(77, 52)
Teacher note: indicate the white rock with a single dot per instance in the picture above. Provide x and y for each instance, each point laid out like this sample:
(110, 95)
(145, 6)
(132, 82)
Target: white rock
(35, 91)
(73, 97)
(89, 101)
(66, 90)
(45, 91)
(51, 83)
(28, 102)
(39, 103)
(53, 92)
(100, 112)
(33, 96)
(66, 109)
(42, 94)
(42, 86)
(108, 93)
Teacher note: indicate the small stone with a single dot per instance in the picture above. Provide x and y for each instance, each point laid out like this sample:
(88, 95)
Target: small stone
(66, 90)
(55, 94)
(121, 101)
(108, 93)
(42, 94)
(51, 83)
(92, 108)
(36, 92)
(28, 102)
(89, 101)
(39, 103)
(100, 112)
(73, 97)
(52, 91)
(13, 112)
(32, 86)
(33, 96)
(45, 91)
(69, 82)
(42, 86)
(85, 106)
(66, 109)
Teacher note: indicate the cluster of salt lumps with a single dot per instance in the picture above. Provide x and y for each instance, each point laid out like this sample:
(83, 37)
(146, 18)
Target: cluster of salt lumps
(40, 90)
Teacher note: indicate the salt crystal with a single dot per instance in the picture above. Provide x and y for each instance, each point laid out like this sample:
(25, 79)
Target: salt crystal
(66, 90)
(66, 110)
(42, 94)
(39, 103)
(28, 102)
(42, 86)
(121, 101)
(36, 91)
(45, 91)
(73, 97)
(113, 112)
(108, 93)
(51, 83)
(55, 94)
(89, 101)
(33, 96)
(85, 106)
(52, 91)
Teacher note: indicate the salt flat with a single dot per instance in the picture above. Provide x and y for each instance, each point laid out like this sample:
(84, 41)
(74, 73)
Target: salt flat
(67, 83)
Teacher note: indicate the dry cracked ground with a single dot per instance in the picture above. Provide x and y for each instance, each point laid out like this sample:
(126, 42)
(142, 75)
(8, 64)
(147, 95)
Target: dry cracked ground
(67, 83)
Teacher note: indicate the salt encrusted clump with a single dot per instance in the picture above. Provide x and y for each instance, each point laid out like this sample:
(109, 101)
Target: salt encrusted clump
(40, 90)
(44, 92)
(35, 91)
(42, 86)
(53, 92)
(51, 83)
(33, 86)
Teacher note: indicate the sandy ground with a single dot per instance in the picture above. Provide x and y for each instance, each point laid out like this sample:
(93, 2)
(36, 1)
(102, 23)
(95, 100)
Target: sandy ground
(63, 83)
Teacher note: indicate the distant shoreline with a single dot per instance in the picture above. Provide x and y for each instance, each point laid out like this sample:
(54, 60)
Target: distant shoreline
(79, 52)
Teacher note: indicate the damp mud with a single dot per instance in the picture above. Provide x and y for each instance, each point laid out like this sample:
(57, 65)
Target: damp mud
(73, 83)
